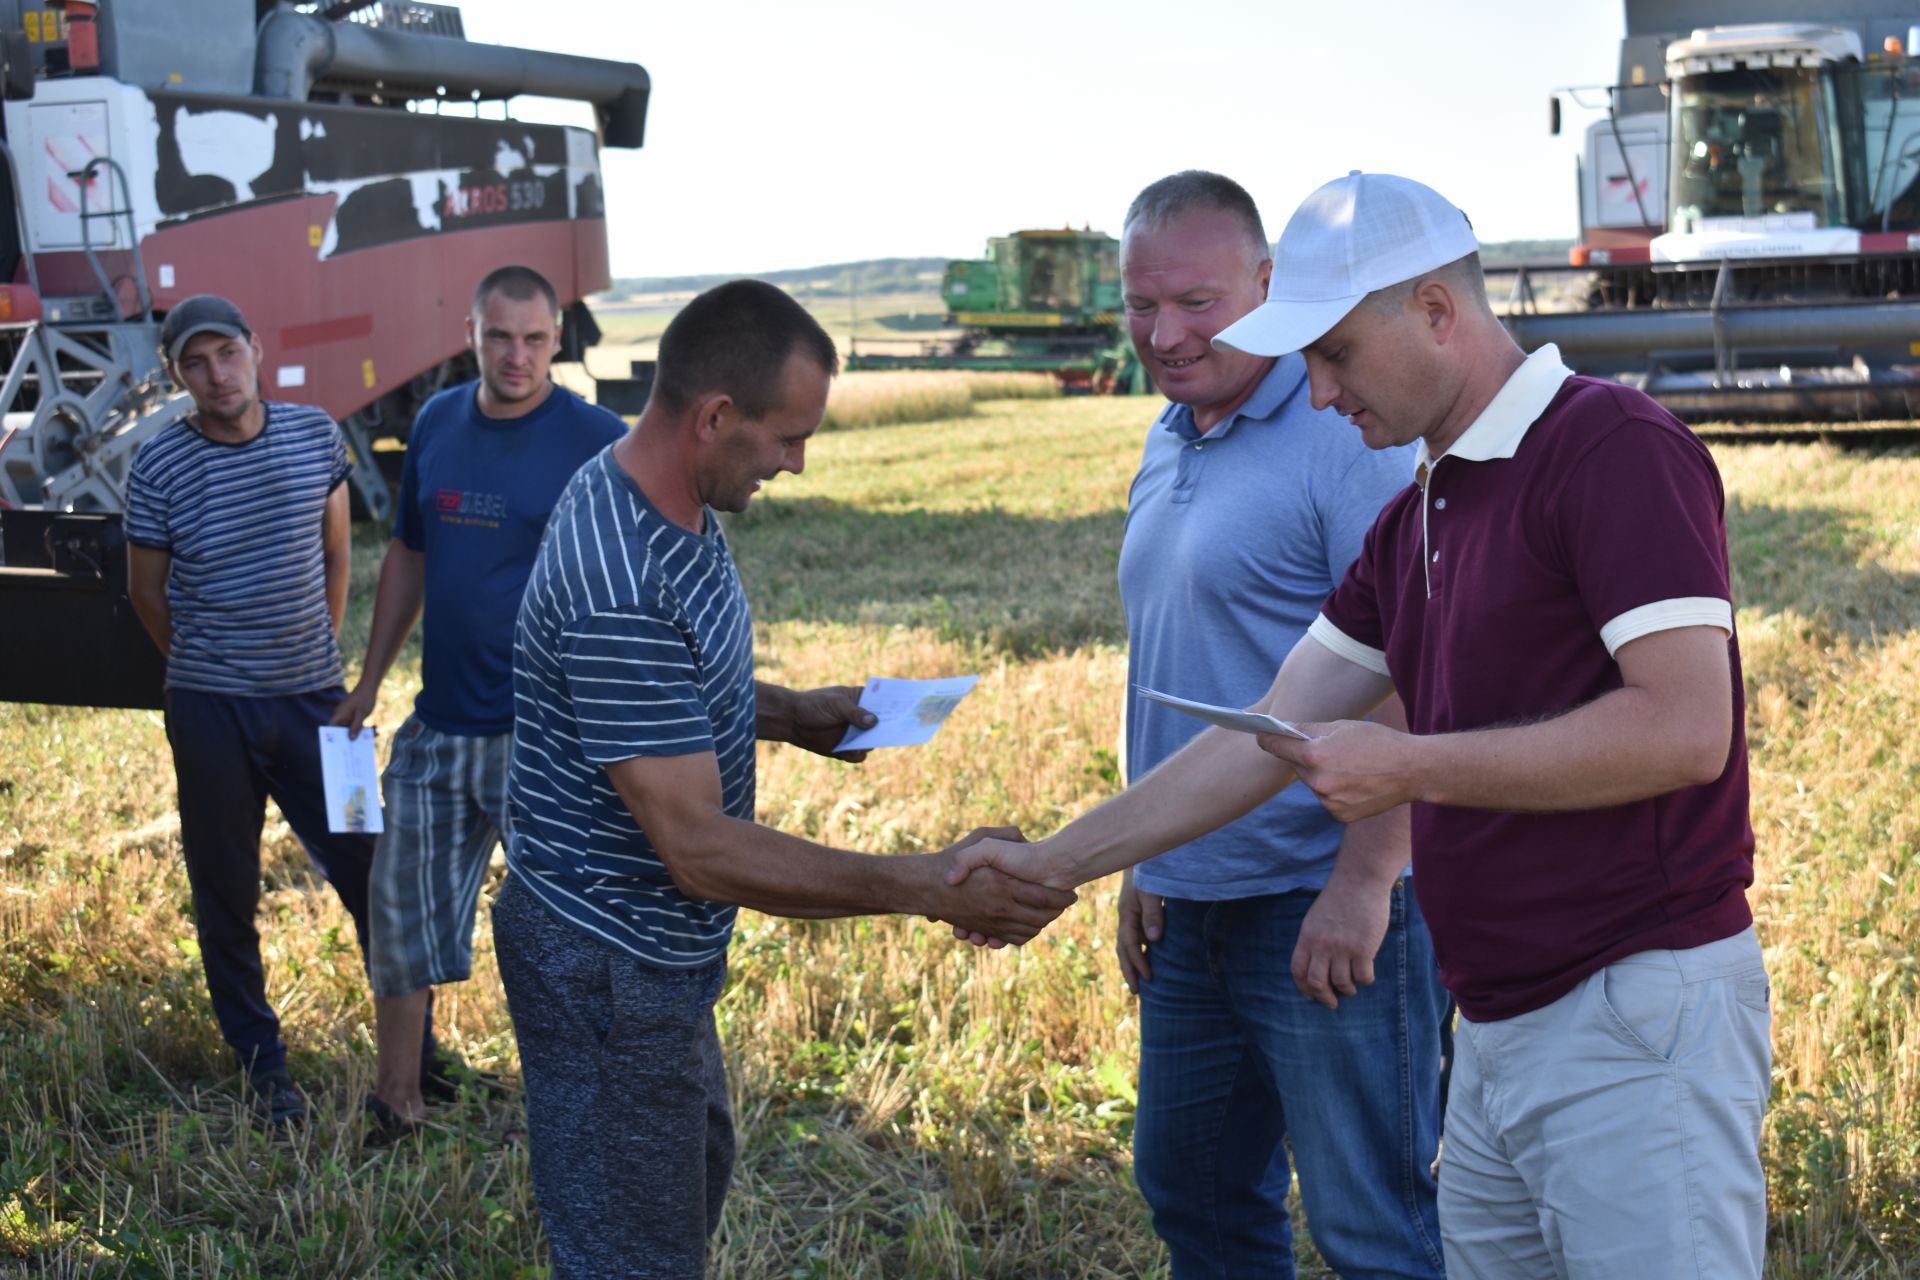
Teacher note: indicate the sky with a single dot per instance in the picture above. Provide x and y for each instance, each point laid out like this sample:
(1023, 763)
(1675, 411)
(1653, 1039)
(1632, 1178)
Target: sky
(786, 134)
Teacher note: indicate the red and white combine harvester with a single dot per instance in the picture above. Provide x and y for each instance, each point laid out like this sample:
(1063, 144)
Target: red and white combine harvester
(1750, 212)
(297, 158)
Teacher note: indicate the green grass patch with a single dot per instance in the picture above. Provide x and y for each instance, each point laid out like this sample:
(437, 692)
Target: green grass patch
(908, 1107)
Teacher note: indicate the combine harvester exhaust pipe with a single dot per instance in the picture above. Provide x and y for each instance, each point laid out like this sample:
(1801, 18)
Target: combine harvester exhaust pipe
(297, 49)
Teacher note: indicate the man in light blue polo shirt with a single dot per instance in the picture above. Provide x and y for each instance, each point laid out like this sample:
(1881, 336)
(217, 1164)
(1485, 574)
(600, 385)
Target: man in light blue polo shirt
(1248, 507)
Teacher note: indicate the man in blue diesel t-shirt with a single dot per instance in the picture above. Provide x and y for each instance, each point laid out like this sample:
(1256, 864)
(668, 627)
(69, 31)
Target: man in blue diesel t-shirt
(485, 463)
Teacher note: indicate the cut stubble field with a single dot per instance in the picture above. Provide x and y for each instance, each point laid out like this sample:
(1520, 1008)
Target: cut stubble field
(908, 1106)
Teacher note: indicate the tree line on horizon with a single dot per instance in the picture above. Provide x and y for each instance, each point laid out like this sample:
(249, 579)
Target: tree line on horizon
(922, 275)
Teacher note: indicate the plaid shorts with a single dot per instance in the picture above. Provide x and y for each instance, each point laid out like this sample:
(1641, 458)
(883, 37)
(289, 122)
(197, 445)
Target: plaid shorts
(446, 809)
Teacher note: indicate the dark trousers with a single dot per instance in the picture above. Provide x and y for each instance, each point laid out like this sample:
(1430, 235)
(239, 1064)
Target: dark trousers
(629, 1132)
(229, 754)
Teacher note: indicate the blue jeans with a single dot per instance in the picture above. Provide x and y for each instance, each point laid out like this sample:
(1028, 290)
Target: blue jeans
(1236, 1066)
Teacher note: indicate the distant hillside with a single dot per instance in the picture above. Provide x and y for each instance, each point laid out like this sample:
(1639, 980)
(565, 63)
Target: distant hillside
(1501, 252)
(876, 275)
(922, 275)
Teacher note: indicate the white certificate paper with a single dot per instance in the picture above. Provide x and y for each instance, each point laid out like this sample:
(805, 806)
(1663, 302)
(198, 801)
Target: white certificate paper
(1227, 717)
(907, 712)
(351, 777)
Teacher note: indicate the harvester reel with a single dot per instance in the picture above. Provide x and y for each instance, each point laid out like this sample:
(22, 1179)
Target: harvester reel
(96, 463)
(61, 437)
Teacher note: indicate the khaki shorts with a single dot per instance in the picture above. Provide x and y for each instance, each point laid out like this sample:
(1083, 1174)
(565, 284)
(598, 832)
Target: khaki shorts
(1615, 1132)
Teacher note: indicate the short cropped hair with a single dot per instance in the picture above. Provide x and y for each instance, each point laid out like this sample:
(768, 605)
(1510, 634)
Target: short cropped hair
(1190, 189)
(735, 339)
(1464, 274)
(516, 282)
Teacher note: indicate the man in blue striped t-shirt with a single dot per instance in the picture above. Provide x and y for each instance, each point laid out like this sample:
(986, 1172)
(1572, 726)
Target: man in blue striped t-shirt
(631, 793)
(238, 530)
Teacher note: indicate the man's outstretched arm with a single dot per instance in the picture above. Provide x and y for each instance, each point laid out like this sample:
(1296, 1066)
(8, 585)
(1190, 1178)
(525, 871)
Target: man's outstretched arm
(1214, 779)
(677, 801)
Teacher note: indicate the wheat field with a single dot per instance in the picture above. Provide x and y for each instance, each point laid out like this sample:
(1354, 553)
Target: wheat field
(907, 1106)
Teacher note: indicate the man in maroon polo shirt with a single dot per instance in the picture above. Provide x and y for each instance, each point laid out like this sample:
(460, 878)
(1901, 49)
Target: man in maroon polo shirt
(1550, 599)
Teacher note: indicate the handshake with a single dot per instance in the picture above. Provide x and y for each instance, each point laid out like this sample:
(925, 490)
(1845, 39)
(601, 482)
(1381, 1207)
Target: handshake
(994, 888)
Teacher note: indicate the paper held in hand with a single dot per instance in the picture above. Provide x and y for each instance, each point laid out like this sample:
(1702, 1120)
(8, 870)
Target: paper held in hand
(1227, 717)
(350, 776)
(908, 712)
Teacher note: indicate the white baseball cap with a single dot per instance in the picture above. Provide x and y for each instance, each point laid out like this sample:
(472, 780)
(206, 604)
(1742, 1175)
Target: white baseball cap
(1354, 235)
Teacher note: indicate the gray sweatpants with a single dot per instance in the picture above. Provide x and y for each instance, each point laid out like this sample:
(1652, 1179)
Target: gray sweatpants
(629, 1130)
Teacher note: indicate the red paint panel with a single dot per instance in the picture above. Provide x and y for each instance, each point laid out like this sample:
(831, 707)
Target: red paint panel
(1620, 237)
(1889, 241)
(590, 257)
(312, 335)
(411, 297)
(18, 304)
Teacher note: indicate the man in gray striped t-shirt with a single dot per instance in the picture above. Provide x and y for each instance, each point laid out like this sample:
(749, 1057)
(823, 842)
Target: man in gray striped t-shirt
(238, 531)
(631, 793)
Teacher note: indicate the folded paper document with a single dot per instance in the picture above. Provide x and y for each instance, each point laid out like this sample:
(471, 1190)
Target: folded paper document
(1226, 717)
(909, 712)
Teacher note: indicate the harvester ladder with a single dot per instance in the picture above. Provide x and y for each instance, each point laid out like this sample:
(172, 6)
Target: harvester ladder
(79, 400)
(87, 216)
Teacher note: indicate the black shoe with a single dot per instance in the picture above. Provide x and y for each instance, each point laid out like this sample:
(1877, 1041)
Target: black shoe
(442, 1074)
(276, 1099)
(385, 1126)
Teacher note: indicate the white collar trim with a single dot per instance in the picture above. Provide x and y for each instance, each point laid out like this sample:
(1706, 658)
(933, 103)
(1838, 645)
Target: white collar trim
(1497, 432)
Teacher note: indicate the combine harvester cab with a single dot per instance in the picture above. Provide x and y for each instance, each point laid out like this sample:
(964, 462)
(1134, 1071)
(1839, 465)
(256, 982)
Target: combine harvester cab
(295, 158)
(1750, 216)
(1039, 302)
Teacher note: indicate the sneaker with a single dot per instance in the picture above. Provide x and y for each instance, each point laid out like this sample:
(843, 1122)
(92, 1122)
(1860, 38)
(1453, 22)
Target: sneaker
(276, 1099)
(385, 1126)
(442, 1074)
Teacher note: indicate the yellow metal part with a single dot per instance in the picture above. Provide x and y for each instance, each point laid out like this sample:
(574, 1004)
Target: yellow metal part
(1024, 319)
(1002, 319)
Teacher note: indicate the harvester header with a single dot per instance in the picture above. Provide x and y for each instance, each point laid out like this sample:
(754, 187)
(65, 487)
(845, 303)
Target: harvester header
(1750, 213)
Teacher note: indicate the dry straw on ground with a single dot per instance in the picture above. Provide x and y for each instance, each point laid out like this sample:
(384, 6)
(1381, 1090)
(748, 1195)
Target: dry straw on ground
(908, 1107)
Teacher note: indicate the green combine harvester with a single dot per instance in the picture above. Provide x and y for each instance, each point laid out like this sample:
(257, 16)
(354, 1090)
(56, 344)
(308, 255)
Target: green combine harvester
(1040, 301)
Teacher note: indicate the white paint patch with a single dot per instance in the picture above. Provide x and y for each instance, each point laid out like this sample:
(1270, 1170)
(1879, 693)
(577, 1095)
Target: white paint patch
(507, 161)
(310, 129)
(290, 375)
(429, 191)
(583, 158)
(226, 144)
(166, 275)
(582, 151)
